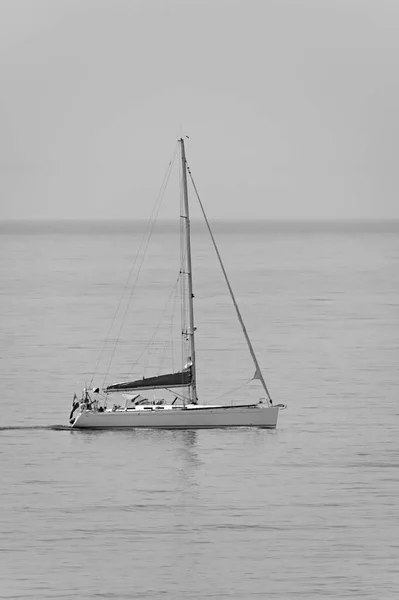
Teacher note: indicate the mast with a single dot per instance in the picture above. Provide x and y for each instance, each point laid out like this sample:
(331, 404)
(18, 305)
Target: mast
(191, 328)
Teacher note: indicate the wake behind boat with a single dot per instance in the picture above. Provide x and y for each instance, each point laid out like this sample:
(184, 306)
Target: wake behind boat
(182, 410)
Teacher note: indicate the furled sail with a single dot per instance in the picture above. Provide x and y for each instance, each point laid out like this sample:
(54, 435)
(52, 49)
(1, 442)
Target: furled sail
(169, 380)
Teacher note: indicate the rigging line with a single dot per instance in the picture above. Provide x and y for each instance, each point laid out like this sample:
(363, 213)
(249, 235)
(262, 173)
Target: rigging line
(233, 390)
(172, 319)
(173, 293)
(150, 229)
(169, 340)
(172, 344)
(133, 265)
(151, 341)
(258, 372)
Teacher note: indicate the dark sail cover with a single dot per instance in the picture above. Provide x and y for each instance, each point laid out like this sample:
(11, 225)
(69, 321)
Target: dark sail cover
(170, 380)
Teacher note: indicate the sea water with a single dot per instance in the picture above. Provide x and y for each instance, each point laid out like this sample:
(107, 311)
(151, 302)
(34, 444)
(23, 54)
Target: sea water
(309, 510)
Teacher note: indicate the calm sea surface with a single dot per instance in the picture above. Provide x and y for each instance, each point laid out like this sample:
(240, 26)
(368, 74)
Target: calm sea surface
(310, 510)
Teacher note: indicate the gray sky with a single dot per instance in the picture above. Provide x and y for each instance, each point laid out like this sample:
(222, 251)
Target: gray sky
(291, 106)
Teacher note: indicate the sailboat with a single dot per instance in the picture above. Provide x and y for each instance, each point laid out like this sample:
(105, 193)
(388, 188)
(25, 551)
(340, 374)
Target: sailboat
(93, 411)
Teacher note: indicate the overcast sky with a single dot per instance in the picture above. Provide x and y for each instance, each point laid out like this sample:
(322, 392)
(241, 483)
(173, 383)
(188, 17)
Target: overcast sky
(291, 106)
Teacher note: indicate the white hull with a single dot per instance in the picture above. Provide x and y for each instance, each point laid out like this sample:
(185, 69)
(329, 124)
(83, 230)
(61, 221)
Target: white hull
(179, 418)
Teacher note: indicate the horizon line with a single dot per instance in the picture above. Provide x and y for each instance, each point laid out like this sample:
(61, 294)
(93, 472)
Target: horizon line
(196, 219)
